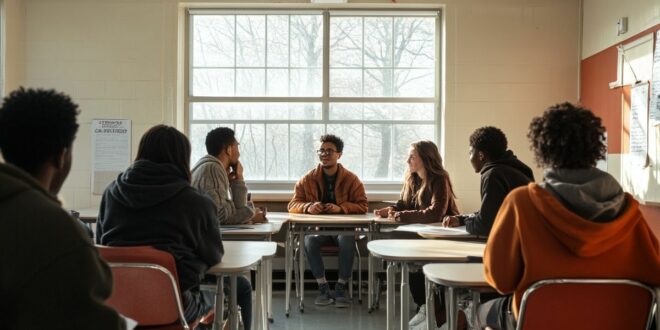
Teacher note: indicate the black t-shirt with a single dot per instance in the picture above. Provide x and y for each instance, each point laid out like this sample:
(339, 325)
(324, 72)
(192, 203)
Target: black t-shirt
(329, 189)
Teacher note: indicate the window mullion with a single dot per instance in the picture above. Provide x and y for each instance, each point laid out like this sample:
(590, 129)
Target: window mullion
(325, 105)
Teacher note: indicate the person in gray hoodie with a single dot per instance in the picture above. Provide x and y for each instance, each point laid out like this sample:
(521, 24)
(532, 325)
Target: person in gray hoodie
(219, 175)
(152, 203)
(501, 172)
(51, 276)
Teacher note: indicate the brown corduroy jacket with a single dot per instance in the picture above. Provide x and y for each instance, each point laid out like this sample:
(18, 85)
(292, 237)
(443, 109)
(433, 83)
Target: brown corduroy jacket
(349, 191)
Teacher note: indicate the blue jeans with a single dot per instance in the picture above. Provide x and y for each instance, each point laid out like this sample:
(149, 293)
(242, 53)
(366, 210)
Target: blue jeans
(197, 304)
(346, 245)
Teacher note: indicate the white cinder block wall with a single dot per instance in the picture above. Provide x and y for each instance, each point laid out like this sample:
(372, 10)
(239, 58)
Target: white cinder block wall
(506, 61)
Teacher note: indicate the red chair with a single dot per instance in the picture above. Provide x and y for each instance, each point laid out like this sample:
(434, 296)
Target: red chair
(146, 287)
(603, 304)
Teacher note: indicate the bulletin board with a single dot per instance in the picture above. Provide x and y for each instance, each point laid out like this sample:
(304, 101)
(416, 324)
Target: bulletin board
(621, 85)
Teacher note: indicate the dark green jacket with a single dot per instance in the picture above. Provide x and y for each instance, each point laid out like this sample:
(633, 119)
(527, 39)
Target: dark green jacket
(51, 276)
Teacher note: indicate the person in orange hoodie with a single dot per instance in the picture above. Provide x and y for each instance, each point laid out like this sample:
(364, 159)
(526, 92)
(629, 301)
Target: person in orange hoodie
(578, 223)
(332, 189)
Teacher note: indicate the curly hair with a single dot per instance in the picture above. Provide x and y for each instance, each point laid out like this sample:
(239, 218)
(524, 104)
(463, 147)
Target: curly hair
(334, 140)
(489, 140)
(35, 126)
(567, 136)
(218, 139)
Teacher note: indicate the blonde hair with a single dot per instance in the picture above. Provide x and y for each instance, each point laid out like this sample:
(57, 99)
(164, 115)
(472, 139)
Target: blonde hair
(435, 172)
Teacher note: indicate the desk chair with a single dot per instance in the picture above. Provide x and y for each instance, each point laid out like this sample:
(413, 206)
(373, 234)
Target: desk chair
(603, 304)
(146, 287)
(333, 250)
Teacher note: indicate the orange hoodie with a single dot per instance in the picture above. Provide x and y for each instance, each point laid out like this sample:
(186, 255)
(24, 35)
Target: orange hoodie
(535, 238)
(349, 191)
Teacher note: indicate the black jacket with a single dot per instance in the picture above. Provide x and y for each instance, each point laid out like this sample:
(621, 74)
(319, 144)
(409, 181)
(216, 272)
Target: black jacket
(154, 204)
(498, 178)
(51, 276)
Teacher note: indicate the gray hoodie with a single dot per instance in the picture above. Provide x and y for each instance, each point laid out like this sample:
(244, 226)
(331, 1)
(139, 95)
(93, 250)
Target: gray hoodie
(209, 177)
(589, 193)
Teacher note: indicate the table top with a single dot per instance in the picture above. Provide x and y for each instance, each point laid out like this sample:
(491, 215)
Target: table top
(322, 219)
(260, 229)
(456, 275)
(89, 214)
(425, 250)
(242, 255)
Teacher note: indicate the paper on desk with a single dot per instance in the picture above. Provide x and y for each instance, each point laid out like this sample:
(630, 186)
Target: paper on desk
(435, 229)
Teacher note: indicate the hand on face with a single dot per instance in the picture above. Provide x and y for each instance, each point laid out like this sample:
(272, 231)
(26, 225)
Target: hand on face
(237, 172)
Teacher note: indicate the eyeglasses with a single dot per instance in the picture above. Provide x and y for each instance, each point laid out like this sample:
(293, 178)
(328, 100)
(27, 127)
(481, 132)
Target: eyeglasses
(328, 152)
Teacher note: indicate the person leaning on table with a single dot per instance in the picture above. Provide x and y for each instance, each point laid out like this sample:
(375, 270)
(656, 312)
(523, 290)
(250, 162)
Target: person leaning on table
(332, 189)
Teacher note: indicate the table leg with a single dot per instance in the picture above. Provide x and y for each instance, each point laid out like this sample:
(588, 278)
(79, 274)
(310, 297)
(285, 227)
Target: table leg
(288, 246)
(233, 306)
(405, 296)
(258, 315)
(451, 308)
(370, 272)
(391, 314)
(219, 303)
(269, 283)
(430, 305)
(301, 250)
(476, 300)
(263, 297)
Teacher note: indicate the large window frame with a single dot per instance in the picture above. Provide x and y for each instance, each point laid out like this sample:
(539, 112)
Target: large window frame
(385, 189)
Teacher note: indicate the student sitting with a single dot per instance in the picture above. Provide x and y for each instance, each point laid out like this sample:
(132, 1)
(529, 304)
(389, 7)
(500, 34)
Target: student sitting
(500, 172)
(152, 203)
(220, 176)
(52, 276)
(330, 188)
(578, 223)
(427, 196)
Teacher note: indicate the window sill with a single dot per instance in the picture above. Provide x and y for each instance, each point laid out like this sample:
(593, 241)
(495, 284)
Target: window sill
(286, 195)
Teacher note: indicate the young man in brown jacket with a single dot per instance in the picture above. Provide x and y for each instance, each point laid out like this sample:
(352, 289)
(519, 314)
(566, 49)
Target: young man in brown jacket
(330, 189)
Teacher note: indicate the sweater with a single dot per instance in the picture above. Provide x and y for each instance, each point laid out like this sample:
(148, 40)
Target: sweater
(498, 178)
(435, 206)
(535, 237)
(349, 191)
(51, 276)
(209, 177)
(153, 204)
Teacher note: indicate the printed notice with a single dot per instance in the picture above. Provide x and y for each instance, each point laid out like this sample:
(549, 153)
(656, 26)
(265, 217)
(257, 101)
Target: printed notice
(654, 109)
(639, 99)
(111, 151)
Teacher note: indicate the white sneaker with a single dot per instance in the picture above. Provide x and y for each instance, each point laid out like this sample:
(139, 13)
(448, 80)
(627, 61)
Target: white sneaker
(420, 317)
(422, 326)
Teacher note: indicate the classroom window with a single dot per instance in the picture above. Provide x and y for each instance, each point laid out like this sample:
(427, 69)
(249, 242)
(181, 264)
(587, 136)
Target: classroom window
(282, 79)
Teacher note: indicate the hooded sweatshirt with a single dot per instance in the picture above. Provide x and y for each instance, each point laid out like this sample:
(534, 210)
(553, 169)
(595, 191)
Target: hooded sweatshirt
(498, 178)
(349, 191)
(51, 275)
(536, 237)
(153, 204)
(209, 177)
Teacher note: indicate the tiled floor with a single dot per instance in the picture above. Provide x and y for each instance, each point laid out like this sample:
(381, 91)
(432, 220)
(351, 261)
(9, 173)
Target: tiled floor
(329, 317)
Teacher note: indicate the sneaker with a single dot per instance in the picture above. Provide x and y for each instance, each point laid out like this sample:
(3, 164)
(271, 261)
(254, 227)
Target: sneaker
(341, 301)
(420, 317)
(422, 326)
(324, 298)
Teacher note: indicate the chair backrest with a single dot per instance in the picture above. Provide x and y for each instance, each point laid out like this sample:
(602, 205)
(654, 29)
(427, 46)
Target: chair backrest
(145, 285)
(601, 304)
